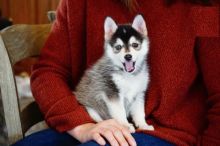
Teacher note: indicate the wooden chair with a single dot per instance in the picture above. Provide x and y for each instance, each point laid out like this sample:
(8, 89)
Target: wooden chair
(18, 42)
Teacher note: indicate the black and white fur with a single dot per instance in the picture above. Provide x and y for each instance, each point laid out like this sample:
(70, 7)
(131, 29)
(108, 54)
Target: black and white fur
(114, 87)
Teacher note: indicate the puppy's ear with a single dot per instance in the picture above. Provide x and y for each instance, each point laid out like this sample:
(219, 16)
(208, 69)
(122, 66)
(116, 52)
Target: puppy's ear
(110, 27)
(140, 25)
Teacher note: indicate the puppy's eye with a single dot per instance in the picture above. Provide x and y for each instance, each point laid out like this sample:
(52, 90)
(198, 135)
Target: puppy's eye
(135, 45)
(118, 47)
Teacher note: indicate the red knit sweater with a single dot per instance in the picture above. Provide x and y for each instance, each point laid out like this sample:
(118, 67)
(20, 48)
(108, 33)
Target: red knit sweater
(183, 100)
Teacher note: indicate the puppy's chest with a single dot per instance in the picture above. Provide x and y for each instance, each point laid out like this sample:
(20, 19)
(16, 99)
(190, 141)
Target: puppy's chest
(130, 86)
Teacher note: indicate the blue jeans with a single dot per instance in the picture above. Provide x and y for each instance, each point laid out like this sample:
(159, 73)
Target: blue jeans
(52, 138)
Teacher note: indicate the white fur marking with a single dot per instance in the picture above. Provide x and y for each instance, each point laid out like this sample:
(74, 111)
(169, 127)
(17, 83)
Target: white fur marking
(94, 115)
(117, 111)
(129, 85)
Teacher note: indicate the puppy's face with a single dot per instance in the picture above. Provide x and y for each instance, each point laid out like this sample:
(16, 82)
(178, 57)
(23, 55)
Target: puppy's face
(126, 45)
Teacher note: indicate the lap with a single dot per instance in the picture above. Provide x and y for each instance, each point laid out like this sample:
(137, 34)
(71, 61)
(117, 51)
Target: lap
(48, 137)
(53, 138)
(141, 140)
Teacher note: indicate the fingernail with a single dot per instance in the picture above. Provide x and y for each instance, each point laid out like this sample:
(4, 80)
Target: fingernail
(102, 142)
(134, 143)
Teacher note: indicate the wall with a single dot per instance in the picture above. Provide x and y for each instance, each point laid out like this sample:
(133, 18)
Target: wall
(28, 11)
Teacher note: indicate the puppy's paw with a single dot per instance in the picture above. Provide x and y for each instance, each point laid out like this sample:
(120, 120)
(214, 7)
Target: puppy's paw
(130, 127)
(146, 127)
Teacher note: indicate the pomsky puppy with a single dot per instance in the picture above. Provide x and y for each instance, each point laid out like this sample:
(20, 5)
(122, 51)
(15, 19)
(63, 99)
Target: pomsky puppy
(114, 87)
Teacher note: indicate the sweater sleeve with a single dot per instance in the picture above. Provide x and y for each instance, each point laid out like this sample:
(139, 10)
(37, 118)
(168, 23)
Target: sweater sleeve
(209, 60)
(51, 76)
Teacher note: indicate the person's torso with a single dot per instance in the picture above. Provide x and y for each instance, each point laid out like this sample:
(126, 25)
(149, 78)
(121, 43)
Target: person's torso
(175, 100)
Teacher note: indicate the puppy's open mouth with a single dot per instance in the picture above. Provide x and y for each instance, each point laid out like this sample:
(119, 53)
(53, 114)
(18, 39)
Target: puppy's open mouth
(129, 66)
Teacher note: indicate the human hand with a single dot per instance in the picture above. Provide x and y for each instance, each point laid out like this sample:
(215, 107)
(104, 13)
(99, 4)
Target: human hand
(115, 133)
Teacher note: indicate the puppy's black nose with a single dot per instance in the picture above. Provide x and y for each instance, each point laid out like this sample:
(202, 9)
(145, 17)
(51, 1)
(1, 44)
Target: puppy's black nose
(128, 57)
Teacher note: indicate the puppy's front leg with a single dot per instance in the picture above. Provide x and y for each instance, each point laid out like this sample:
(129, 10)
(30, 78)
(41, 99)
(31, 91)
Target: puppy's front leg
(138, 114)
(117, 111)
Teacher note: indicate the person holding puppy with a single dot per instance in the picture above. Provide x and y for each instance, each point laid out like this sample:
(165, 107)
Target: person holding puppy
(184, 92)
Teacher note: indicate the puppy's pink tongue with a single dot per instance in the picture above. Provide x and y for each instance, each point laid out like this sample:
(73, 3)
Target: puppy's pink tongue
(129, 66)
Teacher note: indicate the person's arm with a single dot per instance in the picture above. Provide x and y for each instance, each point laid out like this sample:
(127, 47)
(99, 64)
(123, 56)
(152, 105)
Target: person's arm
(209, 61)
(52, 74)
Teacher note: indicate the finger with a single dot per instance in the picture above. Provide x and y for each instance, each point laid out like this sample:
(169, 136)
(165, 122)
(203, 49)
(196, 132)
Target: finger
(123, 132)
(110, 137)
(120, 138)
(118, 135)
(118, 125)
(130, 139)
(99, 139)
